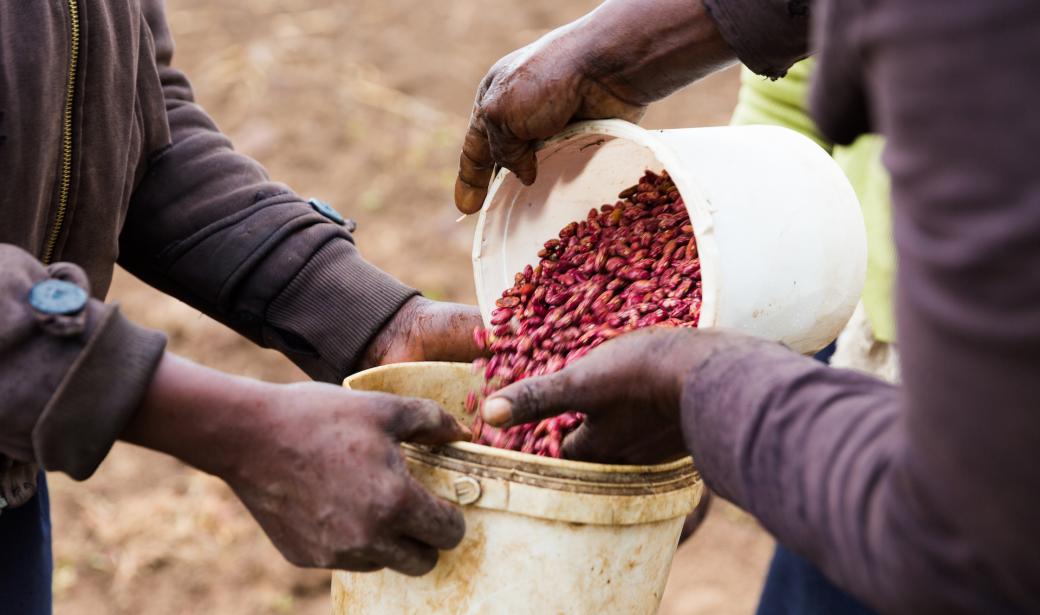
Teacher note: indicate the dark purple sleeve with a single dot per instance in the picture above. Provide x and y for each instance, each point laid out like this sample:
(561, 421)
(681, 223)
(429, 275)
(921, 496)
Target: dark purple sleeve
(768, 36)
(922, 499)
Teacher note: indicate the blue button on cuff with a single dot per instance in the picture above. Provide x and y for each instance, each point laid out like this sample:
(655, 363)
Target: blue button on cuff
(57, 297)
(326, 210)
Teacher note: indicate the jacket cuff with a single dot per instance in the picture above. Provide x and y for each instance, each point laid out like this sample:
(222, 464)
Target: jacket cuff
(326, 317)
(722, 403)
(767, 35)
(97, 396)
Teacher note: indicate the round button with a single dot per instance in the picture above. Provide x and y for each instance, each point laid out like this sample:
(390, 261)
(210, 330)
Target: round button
(57, 297)
(467, 490)
(326, 210)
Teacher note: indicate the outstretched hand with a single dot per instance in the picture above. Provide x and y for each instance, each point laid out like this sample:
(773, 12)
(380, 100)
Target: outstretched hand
(629, 390)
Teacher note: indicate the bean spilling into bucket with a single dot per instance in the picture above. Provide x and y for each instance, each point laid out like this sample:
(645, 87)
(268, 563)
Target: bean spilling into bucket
(629, 265)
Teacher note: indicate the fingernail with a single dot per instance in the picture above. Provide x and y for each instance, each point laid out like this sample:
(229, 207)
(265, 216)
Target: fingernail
(474, 202)
(466, 431)
(468, 200)
(497, 411)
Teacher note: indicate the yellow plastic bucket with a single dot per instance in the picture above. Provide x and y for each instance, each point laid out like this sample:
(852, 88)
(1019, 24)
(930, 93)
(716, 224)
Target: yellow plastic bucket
(543, 536)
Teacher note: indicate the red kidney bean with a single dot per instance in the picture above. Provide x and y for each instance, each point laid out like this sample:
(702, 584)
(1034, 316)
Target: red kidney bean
(480, 338)
(633, 274)
(627, 265)
(691, 269)
(501, 316)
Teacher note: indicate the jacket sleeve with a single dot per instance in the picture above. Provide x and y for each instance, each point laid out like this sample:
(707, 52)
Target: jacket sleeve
(768, 36)
(70, 382)
(207, 226)
(924, 498)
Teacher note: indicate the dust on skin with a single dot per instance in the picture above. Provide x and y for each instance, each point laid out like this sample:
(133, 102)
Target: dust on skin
(409, 334)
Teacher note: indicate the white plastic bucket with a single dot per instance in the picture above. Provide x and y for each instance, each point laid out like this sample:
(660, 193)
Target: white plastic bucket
(543, 536)
(778, 227)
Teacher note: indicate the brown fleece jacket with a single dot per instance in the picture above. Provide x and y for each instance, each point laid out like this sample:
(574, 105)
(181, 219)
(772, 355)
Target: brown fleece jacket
(105, 158)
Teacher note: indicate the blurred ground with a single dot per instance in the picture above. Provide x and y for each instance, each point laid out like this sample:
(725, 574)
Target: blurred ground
(362, 103)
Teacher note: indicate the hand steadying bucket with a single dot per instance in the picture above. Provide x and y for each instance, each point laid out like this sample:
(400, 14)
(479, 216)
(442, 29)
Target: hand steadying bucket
(542, 535)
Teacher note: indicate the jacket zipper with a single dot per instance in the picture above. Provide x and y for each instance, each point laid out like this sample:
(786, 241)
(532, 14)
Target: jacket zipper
(66, 134)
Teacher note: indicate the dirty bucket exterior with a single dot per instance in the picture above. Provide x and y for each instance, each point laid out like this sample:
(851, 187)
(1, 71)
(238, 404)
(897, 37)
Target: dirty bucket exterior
(778, 227)
(543, 536)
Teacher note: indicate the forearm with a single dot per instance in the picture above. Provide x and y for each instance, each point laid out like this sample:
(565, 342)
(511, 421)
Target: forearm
(841, 470)
(767, 35)
(809, 450)
(199, 415)
(643, 51)
(318, 466)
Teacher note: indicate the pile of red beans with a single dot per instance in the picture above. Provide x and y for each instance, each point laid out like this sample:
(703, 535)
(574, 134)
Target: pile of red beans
(629, 265)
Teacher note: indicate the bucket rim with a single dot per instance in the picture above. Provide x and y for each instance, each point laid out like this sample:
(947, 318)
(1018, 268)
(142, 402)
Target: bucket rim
(568, 476)
(474, 475)
(509, 460)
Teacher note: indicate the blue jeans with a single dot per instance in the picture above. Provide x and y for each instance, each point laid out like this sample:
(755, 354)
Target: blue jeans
(794, 586)
(25, 556)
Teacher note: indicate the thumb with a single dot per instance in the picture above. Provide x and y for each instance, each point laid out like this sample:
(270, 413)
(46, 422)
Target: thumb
(531, 400)
(423, 421)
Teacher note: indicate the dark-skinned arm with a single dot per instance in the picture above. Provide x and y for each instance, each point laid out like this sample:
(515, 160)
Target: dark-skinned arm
(612, 63)
(318, 466)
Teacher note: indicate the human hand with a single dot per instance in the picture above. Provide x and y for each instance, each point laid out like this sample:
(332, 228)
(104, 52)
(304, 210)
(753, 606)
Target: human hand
(323, 475)
(425, 330)
(629, 390)
(610, 63)
(317, 465)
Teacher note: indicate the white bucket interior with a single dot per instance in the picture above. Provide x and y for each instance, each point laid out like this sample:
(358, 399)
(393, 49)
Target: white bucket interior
(574, 176)
(778, 227)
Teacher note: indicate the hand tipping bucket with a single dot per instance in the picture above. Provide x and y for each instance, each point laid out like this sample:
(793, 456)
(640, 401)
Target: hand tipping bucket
(779, 230)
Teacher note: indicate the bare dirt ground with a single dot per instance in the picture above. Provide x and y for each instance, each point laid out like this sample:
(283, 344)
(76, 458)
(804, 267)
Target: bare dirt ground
(362, 103)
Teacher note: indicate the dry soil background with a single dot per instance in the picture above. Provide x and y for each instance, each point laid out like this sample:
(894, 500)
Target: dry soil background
(363, 103)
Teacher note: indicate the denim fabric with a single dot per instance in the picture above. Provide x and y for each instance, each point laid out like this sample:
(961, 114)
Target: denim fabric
(795, 587)
(25, 556)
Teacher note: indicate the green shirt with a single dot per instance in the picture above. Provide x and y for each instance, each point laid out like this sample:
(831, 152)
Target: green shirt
(784, 103)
